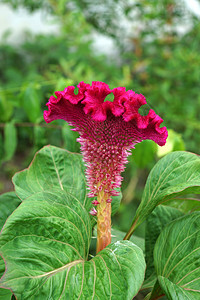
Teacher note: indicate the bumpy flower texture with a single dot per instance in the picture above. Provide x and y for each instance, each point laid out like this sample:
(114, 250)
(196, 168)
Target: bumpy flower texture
(108, 130)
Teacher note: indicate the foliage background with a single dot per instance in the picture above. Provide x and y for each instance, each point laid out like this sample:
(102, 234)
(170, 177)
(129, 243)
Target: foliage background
(155, 52)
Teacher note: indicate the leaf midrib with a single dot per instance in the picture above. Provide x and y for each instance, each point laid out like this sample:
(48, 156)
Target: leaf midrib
(58, 175)
(69, 265)
(152, 194)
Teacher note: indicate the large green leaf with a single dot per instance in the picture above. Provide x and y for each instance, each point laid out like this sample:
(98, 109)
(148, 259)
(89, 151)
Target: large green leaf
(118, 235)
(177, 258)
(176, 174)
(155, 223)
(8, 203)
(53, 169)
(173, 291)
(5, 294)
(56, 169)
(184, 204)
(45, 245)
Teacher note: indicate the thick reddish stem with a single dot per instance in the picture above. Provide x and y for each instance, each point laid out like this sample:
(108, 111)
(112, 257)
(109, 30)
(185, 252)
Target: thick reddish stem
(103, 222)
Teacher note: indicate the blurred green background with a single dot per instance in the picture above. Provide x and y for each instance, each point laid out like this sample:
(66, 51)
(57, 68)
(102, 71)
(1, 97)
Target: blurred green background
(151, 47)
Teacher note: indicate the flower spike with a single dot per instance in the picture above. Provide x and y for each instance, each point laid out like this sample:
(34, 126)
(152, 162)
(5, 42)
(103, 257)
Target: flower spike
(108, 130)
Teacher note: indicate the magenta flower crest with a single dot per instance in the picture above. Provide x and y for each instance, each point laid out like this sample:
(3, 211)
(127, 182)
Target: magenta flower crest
(108, 130)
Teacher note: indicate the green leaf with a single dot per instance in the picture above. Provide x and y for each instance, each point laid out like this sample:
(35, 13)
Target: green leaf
(54, 169)
(176, 174)
(2, 266)
(45, 245)
(185, 205)
(8, 203)
(177, 258)
(5, 294)
(31, 103)
(10, 140)
(174, 291)
(118, 235)
(156, 293)
(155, 223)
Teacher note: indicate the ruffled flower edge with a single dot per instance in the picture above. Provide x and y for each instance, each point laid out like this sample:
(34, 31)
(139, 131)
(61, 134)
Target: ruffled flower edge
(92, 100)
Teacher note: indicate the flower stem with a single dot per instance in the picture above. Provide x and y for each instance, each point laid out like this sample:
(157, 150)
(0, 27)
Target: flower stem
(131, 230)
(103, 222)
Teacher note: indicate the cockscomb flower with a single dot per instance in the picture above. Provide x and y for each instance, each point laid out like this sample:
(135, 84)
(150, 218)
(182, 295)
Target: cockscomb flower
(108, 130)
